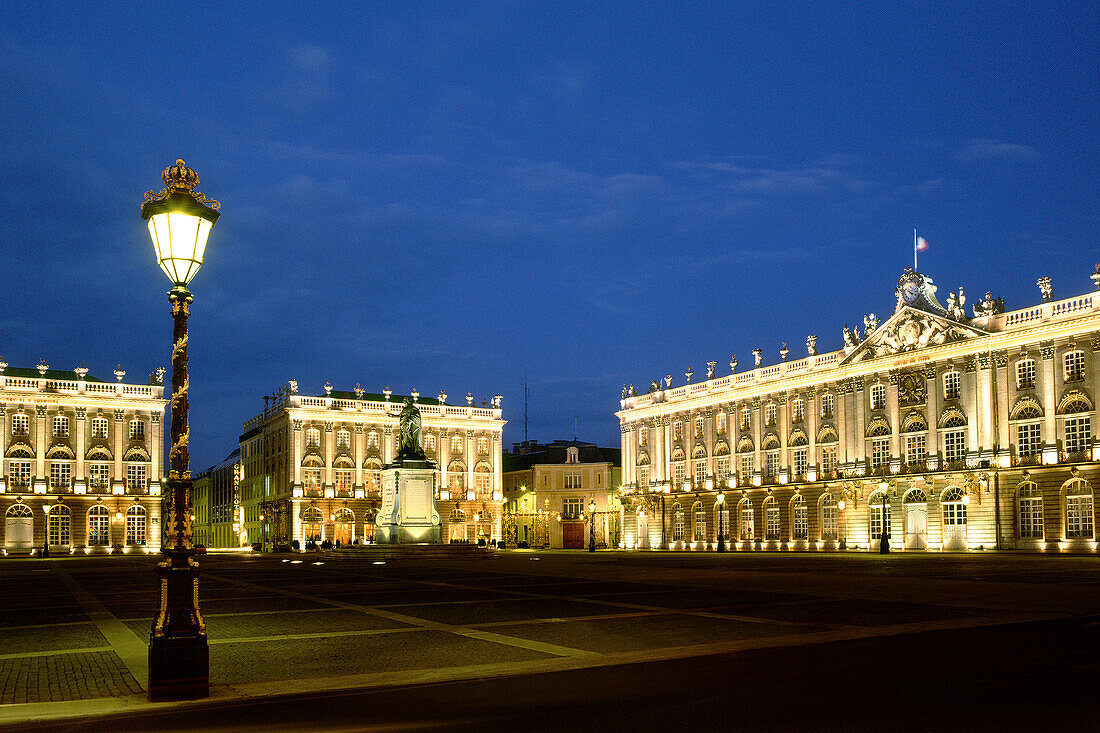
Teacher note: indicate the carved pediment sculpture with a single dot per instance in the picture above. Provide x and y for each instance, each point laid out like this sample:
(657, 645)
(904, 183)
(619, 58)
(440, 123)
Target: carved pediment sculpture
(911, 330)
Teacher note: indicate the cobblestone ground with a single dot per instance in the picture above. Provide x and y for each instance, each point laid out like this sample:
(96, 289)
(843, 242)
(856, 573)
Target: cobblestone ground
(74, 676)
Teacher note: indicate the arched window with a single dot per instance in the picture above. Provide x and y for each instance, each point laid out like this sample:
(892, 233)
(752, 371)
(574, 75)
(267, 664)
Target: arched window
(312, 521)
(60, 426)
(700, 534)
(1076, 426)
(311, 473)
(99, 526)
(771, 518)
(770, 412)
(677, 523)
(344, 473)
(483, 481)
(457, 517)
(60, 460)
(914, 422)
(828, 404)
(1029, 511)
(343, 439)
(1079, 509)
(1025, 374)
(372, 475)
(747, 520)
(135, 525)
(722, 519)
(954, 509)
(951, 385)
(828, 517)
(799, 526)
(59, 526)
(19, 527)
(798, 410)
(20, 424)
(313, 438)
(456, 479)
(99, 427)
(878, 397)
(1073, 366)
(874, 508)
(344, 519)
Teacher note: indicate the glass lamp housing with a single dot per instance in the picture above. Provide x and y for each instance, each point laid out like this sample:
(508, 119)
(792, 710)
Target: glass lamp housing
(179, 226)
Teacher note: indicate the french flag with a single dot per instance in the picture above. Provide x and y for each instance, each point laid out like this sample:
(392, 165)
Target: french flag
(922, 244)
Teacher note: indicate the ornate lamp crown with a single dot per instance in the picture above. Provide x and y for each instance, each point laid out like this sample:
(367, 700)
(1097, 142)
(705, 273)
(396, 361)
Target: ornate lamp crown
(179, 178)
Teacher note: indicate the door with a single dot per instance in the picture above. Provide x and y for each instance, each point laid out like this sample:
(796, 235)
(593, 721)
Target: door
(643, 532)
(572, 535)
(19, 533)
(916, 526)
(954, 525)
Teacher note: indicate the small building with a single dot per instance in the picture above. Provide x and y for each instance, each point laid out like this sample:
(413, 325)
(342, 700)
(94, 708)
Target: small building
(82, 461)
(217, 505)
(547, 491)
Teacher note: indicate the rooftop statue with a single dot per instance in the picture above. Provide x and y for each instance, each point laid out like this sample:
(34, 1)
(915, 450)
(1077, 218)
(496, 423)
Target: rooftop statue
(408, 447)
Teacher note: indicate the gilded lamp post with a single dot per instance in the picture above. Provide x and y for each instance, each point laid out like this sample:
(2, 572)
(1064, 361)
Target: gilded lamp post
(180, 219)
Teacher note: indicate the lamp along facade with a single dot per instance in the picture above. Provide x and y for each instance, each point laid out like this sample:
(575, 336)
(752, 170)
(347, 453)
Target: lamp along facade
(977, 431)
(82, 462)
(311, 466)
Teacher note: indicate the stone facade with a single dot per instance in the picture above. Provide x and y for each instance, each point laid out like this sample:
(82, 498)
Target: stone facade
(82, 463)
(312, 466)
(217, 505)
(979, 431)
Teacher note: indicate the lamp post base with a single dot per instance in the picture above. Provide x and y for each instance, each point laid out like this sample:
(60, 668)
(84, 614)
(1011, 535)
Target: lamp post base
(179, 659)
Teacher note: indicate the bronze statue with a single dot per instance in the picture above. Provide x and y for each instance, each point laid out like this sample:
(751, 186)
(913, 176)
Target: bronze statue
(408, 446)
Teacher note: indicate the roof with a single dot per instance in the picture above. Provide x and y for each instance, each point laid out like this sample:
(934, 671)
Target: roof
(56, 374)
(229, 460)
(338, 394)
(556, 454)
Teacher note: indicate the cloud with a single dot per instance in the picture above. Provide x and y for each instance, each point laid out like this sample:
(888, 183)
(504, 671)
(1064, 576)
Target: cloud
(308, 82)
(986, 149)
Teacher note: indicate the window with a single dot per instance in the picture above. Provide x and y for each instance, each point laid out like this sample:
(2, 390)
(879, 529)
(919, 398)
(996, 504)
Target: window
(20, 424)
(874, 506)
(828, 404)
(343, 440)
(59, 526)
(770, 412)
(954, 509)
(1077, 432)
(312, 519)
(799, 461)
(700, 472)
(19, 474)
(678, 430)
(799, 527)
(677, 523)
(698, 427)
(748, 524)
(481, 483)
(429, 443)
(771, 519)
(878, 397)
(135, 525)
(1029, 439)
(954, 446)
(137, 430)
(746, 418)
(572, 506)
(61, 475)
(456, 445)
(700, 534)
(1078, 510)
(99, 427)
(720, 423)
(1025, 374)
(135, 477)
(61, 427)
(643, 476)
(372, 478)
(573, 480)
(678, 476)
(748, 467)
(1073, 366)
(916, 450)
(99, 526)
(798, 409)
(880, 452)
(482, 446)
(643, 437)
(311, 479)
(722, 468)
(771, 463)
(828, 459)
(951, 382)
(722, 520)
(313, 438)
(99, 475)
(828, 518)
(1030, 511)
(343, 479)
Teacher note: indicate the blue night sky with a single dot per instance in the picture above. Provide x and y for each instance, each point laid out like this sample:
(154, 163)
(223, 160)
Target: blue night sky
(455, 195)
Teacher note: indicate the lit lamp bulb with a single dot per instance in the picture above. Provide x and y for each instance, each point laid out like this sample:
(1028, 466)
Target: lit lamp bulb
(840, 505)
(966, 500)
(180, 219)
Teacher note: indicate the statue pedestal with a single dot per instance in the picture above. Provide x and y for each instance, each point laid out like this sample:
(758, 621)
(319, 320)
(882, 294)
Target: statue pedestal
(408, 514)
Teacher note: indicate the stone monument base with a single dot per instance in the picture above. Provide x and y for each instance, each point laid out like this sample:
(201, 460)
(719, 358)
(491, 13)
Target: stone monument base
(408, 514)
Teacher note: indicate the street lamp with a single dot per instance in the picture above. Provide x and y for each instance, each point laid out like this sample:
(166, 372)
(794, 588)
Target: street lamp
(884, 536)
(721, 535)
(592, 524)
(180, 219)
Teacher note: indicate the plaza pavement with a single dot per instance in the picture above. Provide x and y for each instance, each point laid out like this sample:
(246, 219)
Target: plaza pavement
(74, 630)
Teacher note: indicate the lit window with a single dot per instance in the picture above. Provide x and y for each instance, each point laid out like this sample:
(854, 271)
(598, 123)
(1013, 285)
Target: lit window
(916, 450)
(878, 397)
(311, 479)
(372, 440)
(135, 477)
(954, 446)
(698, 427)
(678, 430)
(951, 382)
(771, 519)
(19, 474)
(456, 445)
(20, 424)
(748, 525)
(1079, 517)
(99, 427)
(880, 452)
(61, 427)
(1073, 366)
(313, 438)
(572, 506)
(343, 479)
(1030, 502)
(137, 430)
(59, 526)
(722, 467)
(874, 506)
(643, 437)
(799, 461)
(677, 523)
(61, 473)
(770, 412)
(700, 472)
(643, 476)
(828, 459)
(954, 511)
(573, 481)
(483, 446)
(771, 463)
(135, 525)
(99, 475)
(1029, 439)
(798, 409)
(748, 466)
(828, 403)
(99, 526)
(343, 440)
(799, 526)
(429, 443)
(1025, 374)
(828, 518)
(700, 534)
(1077, 434)
(746, 418)
(720, 424)
(678, 476)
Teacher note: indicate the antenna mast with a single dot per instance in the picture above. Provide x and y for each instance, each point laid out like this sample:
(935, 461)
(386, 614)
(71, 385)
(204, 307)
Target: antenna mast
(525, 407)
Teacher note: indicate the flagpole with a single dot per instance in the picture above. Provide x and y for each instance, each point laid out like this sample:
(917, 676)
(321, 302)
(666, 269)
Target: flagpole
(914, 249)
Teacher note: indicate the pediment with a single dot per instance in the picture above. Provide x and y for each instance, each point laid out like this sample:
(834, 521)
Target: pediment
(911, 329)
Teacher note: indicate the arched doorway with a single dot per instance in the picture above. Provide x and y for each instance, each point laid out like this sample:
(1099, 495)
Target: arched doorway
(916, 520)
(312, 521)
(456, 526)
(99, 526)
(19, 528)
(642, 539)
(59, 531)
(343, 522)
(953, 505)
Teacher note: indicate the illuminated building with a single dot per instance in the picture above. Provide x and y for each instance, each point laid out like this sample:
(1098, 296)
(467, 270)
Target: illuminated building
(978, 430)
(217, 506)
(547, 489)
(312, 466)
(82, 461)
